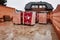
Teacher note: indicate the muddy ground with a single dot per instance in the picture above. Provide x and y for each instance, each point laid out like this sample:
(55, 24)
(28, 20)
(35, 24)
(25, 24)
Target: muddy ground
(8, 31)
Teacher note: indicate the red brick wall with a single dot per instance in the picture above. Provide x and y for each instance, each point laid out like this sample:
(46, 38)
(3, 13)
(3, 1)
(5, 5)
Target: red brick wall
(6, 11)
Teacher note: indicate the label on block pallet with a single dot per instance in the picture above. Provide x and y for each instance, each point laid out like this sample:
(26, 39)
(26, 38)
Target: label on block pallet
(29, 18)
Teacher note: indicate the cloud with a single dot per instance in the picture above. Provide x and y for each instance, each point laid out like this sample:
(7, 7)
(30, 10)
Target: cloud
(20, 4)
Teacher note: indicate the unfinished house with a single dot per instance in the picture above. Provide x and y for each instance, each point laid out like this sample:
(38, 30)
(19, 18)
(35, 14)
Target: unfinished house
(42, 10)
(6, 13)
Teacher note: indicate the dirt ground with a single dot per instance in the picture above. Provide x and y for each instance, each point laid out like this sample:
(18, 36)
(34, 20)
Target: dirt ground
(8, 31)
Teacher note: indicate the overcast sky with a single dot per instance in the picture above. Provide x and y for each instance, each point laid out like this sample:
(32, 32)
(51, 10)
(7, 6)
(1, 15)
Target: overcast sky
(20, 4)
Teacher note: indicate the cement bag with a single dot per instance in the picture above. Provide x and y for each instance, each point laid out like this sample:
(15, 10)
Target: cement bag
(17, 18)
(29, 18)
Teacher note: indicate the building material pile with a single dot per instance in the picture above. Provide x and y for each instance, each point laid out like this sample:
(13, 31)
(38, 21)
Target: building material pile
(55, 18)
(17, 17)
(29, 18)
(42, 10)
(34, 12)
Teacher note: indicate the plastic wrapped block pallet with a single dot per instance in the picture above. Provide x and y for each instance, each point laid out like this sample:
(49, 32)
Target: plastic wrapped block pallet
(55, 18)
(29, 18)
(42, 17)
(17, 18)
